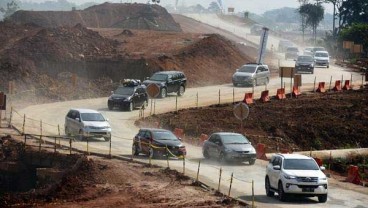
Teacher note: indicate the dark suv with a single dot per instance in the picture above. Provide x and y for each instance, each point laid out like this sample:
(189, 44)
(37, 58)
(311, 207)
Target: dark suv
(131, 94)
(169, 82)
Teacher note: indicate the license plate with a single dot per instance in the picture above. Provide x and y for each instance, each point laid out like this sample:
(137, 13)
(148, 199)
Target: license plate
(308, 189)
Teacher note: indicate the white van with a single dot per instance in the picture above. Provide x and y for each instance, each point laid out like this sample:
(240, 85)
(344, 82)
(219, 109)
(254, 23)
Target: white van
(87, 123)
(322, 58)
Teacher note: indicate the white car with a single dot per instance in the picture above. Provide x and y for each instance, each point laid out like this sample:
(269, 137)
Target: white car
(87, 123)
(295, 174)
(322, 58)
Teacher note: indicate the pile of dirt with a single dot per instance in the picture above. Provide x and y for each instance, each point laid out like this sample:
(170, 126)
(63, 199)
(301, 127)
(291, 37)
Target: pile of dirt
(107, 15)
(333, 121)
(101, 182)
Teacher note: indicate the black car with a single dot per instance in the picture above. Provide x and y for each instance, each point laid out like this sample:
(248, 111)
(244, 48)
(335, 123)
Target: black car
(304, 63)
(169, 82)
(153, 142)
(132, 94)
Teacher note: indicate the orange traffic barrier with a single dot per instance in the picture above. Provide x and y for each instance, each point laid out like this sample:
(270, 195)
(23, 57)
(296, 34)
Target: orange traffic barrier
(264, 96)
(321, 87)
(353, 175)
(319, 161)
(248, 98)
(261, 151)
(203, 138)
(347, 85)
(296, 91)
(280, 94)
(179, 132)
(337, 85)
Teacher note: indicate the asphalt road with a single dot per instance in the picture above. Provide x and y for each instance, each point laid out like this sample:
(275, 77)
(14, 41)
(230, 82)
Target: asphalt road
(53, 114)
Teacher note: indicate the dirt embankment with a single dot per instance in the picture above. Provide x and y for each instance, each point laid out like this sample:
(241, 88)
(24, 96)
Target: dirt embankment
(94, 182)
(48, 58)
(106, 15)
(312, 121)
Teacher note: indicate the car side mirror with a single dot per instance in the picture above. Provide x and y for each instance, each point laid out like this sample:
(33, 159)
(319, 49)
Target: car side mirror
(276, 167)
(112, 92)
(136, 93)
(78, 119)
(147, 78)
(179, 138)
(322, 168)
(237, 70)
(107, 119)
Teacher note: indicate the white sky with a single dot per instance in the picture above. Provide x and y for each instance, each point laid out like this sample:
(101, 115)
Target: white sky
(255, 6)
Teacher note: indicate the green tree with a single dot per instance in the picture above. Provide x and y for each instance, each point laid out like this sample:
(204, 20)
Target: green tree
(11, 7)
(214, 7)
(303, 17)
(314, 15)
(357, 32)
(353, 11)
(336, 5)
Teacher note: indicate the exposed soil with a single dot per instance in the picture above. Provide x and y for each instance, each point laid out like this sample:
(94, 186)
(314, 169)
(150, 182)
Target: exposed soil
(312, 121)
(101, 182)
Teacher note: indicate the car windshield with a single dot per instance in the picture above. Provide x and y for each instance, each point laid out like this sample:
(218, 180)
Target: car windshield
(164, 135)
(159, 77)
(247, 68)
(319, 49)
(321, 55)
(124, 91)
(92, 117)
(234, 139)
(292, 49)
(300, 164)
(305, 59)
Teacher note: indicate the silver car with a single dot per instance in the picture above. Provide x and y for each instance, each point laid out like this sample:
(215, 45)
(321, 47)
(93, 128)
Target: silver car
(251, 74)
(228, 146)
(87, 123)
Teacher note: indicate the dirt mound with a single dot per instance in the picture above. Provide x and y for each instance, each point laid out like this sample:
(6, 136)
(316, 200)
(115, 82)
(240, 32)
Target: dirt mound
(107, 15)
(212, 55)
(314, 121)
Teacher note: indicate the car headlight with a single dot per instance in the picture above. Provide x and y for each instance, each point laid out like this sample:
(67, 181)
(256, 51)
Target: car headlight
(88, 127)
(322, 179)
(252, 150)
(228, 150)
(289, 176)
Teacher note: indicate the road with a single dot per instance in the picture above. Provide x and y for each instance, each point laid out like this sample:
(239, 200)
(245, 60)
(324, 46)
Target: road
(53, 114)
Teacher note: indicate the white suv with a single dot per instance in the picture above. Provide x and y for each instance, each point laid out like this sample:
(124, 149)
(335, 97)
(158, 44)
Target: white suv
(87, 123)
(295, 174)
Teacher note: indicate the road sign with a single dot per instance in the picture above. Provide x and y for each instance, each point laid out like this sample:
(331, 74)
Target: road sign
(286, 72)
(241, 111)
(153, 90)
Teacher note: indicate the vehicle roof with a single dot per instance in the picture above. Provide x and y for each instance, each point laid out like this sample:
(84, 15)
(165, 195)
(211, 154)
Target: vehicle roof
(321, 52)
(226, 133)
(305, 56)
(169, 72)
(294, 156)
(254, 64)
(292, 47)
(84, 110)
(154, 129)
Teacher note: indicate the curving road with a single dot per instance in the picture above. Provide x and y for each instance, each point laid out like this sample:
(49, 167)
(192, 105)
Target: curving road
(340, 194)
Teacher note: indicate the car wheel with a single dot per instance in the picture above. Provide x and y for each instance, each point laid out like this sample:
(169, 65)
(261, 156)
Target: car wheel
(222, 157)
(131, 105)
(181, 90)
(163, 93)
(205, 154)
(269, 193)
(328, 66)
(135, 150)
(67, 132)
(254, 82)
(281, 193)
(110, 106)
(252, 161)
(312, 72)
(267, 80)
(322, 198)
(107, 138)
(81, 137)
(151, 153)
(235, 84)
(145, 104)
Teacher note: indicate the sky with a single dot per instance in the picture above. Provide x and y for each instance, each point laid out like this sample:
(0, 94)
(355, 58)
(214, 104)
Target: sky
(254, 6)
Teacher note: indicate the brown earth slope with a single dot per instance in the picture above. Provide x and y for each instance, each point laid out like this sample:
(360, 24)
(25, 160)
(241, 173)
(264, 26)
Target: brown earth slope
(107, 15)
